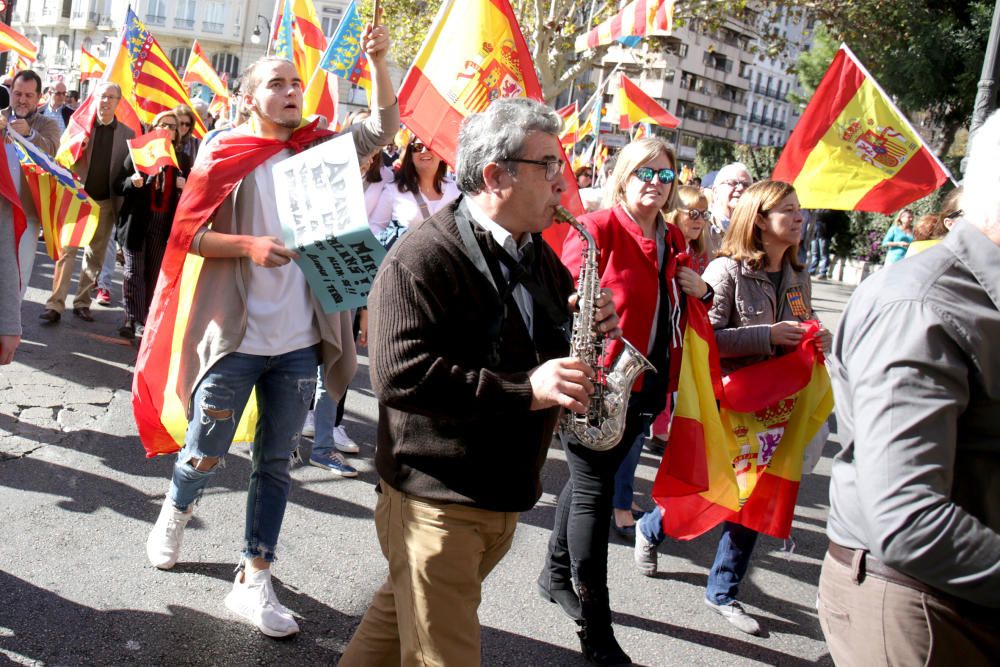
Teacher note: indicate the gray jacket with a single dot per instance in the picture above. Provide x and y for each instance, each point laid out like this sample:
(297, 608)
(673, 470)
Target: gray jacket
(746, 305)
(916, 377)
(10, 279)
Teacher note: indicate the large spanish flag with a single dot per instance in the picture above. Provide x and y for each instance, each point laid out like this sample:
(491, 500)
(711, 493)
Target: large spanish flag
(640, 18)
(737, 444)
(854, 150)
(473, 54)
(152, 151)
(635, 106)
(12, 40)
(199, 70)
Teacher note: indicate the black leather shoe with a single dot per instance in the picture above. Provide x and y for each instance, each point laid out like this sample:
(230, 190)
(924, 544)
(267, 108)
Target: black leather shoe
(564, 596)
(627, 533)
(83, 313)
(601, 648)
(127, 330)
(50, 317)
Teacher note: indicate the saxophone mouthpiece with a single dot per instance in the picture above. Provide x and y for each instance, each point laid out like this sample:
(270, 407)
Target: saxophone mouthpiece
(562, 215)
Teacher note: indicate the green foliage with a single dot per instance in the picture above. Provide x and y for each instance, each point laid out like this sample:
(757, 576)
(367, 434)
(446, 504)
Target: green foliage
(712, 154)
(759, 159)
(812, 64)
(862, 240)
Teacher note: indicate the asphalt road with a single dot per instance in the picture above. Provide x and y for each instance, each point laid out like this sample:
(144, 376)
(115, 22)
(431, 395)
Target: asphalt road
(78, 497)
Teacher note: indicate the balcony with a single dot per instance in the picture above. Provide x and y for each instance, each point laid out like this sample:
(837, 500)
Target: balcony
(184, 24)
(153, 19)
(105, 23)
(209, 26)
(83, 20)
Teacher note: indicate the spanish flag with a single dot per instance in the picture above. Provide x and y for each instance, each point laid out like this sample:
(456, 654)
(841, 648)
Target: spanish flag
(640, 18)
(854, 150)
(299, 36)
(635, 106)
(90, 66)
(12, 40)
(737, 444)
(199, 70)
(152, 151)
(68, 216)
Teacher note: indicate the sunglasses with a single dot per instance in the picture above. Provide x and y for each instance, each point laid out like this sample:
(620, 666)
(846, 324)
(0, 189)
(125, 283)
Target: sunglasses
(696, 213)
(646, 175)
(169, 126)
(185, 123)
(418, 147)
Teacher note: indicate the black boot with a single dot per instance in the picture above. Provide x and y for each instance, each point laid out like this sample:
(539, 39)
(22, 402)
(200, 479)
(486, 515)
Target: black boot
(597, 638)
(561, 594)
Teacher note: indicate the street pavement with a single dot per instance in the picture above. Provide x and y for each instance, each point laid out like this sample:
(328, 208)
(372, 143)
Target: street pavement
(78, 497)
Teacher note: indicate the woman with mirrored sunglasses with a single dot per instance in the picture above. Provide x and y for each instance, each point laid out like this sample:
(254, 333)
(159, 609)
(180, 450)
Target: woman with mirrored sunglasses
(638, 262)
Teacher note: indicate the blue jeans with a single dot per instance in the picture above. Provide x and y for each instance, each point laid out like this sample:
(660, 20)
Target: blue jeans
(732, 559)
(625, 476)
(326, 416)
(820, 249)
(107, 275)
(651, 526)
(285, 385)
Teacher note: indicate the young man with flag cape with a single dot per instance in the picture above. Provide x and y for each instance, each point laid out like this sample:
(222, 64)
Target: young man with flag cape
(232, 313)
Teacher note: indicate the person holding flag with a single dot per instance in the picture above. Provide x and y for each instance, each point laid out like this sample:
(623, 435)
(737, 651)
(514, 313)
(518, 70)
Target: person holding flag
(247, 321)
(151, 190)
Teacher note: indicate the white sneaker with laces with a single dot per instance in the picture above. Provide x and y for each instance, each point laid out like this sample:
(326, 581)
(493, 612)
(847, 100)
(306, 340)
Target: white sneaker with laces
(645, 554)
(733, 612)
(309, 426)
(254, 599)
(343, 442)
(163, 546)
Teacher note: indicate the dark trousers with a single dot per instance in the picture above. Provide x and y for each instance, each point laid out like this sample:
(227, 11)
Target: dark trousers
(142, 266)
(578, 546)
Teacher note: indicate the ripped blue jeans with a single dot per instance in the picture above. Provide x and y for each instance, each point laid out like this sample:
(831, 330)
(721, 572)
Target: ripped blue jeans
(285, 385)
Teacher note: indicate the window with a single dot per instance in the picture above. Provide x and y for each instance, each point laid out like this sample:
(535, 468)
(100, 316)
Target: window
(156, 13)
(226, 62)
(185, 15)
(330, 20)
(215, 16)
(179, 57)
(689, 140)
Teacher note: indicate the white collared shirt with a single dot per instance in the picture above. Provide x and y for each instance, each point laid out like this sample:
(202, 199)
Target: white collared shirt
(522, 297)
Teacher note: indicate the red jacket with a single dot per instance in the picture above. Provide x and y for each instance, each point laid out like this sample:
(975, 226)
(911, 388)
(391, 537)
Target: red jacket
(628, 267)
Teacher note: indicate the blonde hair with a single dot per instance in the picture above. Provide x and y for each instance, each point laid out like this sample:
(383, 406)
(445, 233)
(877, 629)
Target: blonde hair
(744, 242)
(690, 196)
(631, 158)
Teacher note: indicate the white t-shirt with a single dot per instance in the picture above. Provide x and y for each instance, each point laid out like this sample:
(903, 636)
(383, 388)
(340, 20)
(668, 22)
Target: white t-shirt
(406, 211)
(379, 198)
(280, 317)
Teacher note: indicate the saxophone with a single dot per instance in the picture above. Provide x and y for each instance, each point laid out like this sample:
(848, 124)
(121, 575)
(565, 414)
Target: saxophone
(601, 427)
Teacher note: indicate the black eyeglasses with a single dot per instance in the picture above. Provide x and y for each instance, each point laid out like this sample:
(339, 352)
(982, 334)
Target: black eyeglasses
(953, 215)
(552, 167)
(646, 174)
(696, 213)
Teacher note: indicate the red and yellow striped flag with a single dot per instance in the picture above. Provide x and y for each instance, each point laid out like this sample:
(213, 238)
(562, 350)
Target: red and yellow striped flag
(199, 70)
(90, 66)
(640, 18)
(854, 150)
(635, 106)
(306, 43)
(152, 151)
(739, 460)
(12, 40)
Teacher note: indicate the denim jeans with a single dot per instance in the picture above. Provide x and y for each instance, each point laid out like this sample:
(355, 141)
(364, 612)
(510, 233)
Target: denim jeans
(107, 276)
(625, 476)
(651, 526)
(820, 249)
(328, 415)
(732, 559)
(285, 385)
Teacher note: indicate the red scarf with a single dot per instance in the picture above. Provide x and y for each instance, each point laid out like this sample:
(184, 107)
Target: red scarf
(224, 163)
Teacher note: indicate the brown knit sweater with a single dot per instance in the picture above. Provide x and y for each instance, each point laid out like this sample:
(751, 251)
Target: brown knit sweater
(450, 365)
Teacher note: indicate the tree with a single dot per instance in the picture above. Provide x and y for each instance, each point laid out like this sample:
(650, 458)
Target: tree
(812, 64)
(713, 154)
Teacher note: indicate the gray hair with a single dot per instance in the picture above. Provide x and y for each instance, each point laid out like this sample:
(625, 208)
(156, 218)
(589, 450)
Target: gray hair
(107, 85)
(981, 198)
(729, 169)
(498, 134)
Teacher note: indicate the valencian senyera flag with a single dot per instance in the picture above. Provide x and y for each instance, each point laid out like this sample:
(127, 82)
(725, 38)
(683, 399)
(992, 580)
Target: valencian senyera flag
(635, 106)
(152, 151)
(163, 383)
(12, 40)
(344, 56)
(641, 18)
(737, 443)
(473, 54)
(67, 215)
(149, 84)
(852, 149)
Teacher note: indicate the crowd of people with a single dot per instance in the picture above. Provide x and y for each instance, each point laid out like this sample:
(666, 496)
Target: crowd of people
(469, 326)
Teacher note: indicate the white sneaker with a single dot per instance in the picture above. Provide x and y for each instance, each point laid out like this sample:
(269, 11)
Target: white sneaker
(254, 599)
(309, 426)
(733, 612)
(164, 543)
(343, 442)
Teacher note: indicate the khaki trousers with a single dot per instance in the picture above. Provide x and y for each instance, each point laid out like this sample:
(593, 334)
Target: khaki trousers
(878, 623)
(93, 258)
(426, 613)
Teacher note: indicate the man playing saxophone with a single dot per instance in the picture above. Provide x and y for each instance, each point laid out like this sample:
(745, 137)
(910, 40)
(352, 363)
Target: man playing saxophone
(469, 360)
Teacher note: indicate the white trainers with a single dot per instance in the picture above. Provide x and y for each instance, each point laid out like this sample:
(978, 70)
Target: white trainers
(254, 599)
(309, 426)
(645, 554)
(163, 546)
(733, 612)
(343, 442)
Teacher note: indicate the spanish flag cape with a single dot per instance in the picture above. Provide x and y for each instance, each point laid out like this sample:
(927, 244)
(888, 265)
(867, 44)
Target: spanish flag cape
(224, 162)
(737, 443)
